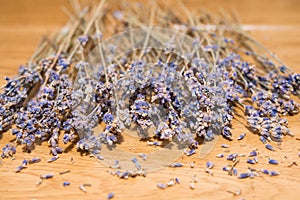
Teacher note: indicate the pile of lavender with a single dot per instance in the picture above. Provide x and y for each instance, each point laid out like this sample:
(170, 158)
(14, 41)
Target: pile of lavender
(61, 95)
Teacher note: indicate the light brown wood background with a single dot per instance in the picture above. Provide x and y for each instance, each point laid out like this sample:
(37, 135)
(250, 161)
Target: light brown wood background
(24, 22)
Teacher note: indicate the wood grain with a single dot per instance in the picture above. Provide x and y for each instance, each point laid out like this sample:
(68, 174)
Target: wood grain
(23, 23)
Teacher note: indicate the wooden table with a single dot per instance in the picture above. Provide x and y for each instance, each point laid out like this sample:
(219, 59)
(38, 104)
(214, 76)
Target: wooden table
(23, 23)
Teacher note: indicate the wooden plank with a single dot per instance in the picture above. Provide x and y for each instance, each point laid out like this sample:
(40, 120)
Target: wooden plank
(23, 23)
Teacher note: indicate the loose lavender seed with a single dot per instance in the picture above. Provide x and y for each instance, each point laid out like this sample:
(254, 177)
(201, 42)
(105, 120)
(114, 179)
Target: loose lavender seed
(54, 158)
(34, 160)
(234, 171)
(242, 136)
(253, 153)
(220, 155)
(110, 195)
(161, 185)
(177, 164)
(273, 173)
(19, 168)
(243, 175)
(265, 171)
(273, 162)
(224, 145)
(232, 157)
(143, 156)
(46, 176)
(210, 165)
(66, 183)
(177, 180)
(251, 161)
(226, 168)
(270, 147)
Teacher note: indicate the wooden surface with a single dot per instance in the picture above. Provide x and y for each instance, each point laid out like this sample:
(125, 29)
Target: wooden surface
(23, 23)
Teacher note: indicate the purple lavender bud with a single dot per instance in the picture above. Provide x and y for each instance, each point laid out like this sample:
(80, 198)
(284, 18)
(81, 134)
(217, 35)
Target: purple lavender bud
(143, 156)
(273, 162)
(177, 164)
(25, 162)
(34, 160)
(161, 185)
(190, 152)
(251, 161)
(46, 176)
(243, 175)
(110, 195)
(232, 156)
(224, 145)
(253, 153)
(124, 175)
(59, 149)
(263, 139)
(226, 169)
(220, 155)
(54, 158)
(209, 164)
(177, 180)
(242, 136)
(234, 171)
(19, 168)
(270, 147)
(273, 173)
(66, 183)
(265, 171)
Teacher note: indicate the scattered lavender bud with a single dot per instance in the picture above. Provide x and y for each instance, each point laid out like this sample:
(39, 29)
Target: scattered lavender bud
(253, 153)
(99, 157)
(220, 155)
(242, 136)
(226, 168)
(46, 176)
(25, 162)
(273, 173)
(273, 162)
(136, 163)
(116, 165)
(270, 147)
(143, 156)
(263, 139)
(232, 157)
(54, 158)
(66, 183)
(177, 180)
(251, 161)
(243, 175)
(190, 152)
(176, 164)
(265, 171)
(224, 145)
(210, 165)
(234, 171)
(34, 160)
(20, 168)
(161, 185)
(110, 195)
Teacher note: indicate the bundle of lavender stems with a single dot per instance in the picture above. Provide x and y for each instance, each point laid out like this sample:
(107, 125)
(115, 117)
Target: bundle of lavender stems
(60, 96)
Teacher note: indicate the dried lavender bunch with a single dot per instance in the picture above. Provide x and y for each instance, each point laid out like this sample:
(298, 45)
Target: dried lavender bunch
(60, 93)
